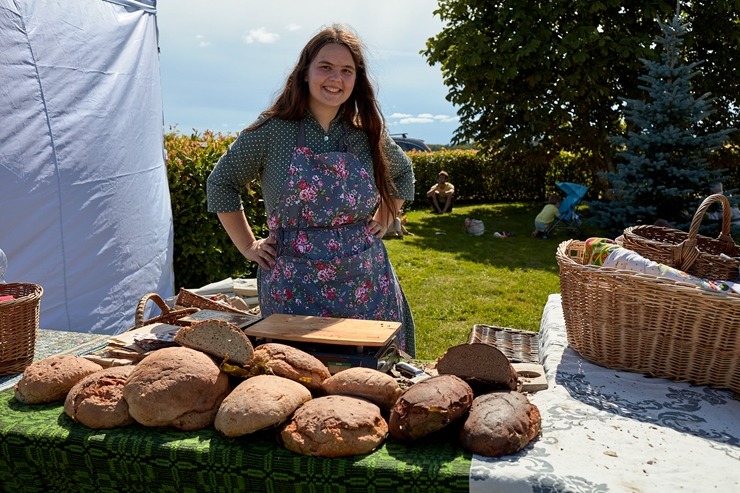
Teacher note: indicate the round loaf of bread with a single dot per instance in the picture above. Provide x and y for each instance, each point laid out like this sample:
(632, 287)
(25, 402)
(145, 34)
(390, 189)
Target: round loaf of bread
(176, 386)
(335, 426)
(368, 383)
(97, 400)
(50, 379)
(500, 423)
(258, 403)
(289, 362)
(429, 406)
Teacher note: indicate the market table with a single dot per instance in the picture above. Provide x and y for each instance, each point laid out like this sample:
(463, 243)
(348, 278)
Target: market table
(602, 430)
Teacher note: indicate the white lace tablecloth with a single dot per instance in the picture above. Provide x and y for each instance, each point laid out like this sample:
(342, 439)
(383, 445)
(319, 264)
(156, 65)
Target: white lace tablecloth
(607, 430)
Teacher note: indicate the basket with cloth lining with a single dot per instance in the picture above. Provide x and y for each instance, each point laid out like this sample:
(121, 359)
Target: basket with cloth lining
(655, 325)
(710, 258)
(19, 324)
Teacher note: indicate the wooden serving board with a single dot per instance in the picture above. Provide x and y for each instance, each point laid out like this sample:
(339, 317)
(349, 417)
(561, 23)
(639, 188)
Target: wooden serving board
(325, 330)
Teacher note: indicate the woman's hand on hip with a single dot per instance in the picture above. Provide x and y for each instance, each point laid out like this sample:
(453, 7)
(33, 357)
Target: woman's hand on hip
(262, 251)
(377, 229)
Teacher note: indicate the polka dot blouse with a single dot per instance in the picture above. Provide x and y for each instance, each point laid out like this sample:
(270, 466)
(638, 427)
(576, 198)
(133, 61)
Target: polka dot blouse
(266, 152)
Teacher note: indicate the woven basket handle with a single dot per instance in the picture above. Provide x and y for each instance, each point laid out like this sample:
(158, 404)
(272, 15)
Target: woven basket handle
(141, 308)
(686, 252)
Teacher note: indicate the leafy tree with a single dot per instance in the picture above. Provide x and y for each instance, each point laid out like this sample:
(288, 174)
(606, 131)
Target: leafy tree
(535, 78)
(665, 173)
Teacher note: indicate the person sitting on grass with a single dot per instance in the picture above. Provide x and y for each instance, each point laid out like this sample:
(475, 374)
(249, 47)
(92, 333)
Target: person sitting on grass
(441, 194)
(546, 218)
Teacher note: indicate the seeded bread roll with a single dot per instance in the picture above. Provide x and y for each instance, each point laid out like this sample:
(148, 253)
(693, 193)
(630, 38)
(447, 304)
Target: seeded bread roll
(50, 379)
(289, 362)
(176, 386)
(379, 388)
(479, 362)
(500, 423)
(97, 400)
(335, 426)
(259, 402)
(429, 406)
(218, 338)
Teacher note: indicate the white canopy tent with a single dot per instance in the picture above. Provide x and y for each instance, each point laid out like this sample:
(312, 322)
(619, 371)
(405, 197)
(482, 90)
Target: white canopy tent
(84, 201)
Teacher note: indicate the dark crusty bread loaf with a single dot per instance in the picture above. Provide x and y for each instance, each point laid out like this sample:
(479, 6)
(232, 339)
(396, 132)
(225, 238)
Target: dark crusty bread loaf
(500, 423)
(289, 362)
(97, 400)
(218, 338)
(259, 402)
(50, 379)
(479, 362)
(429, 406)
(176, 386)
(379, 388)
(335, 426)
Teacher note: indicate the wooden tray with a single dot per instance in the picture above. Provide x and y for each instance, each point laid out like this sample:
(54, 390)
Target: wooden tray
(325, 330)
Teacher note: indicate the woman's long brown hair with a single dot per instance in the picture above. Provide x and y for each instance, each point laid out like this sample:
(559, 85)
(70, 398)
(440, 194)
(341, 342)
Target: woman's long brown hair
(361, 110)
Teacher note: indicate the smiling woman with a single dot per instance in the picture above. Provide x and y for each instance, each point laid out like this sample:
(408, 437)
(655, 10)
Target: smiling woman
(332, 179)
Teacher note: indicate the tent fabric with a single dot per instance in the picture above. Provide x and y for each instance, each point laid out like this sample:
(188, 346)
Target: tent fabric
(84, 201)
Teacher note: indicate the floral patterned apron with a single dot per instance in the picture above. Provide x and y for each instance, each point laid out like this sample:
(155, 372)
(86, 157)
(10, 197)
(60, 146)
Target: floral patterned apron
(328, 263)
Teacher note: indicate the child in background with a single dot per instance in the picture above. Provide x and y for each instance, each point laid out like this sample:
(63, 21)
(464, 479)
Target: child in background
(546, 218)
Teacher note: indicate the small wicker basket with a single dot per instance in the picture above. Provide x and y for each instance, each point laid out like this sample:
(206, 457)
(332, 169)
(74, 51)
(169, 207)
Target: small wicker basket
(690, 252)
(637, 322)
(519, 346)
(19, 324)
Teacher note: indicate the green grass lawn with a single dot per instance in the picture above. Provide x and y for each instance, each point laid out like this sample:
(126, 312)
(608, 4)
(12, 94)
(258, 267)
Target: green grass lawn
(453, 280)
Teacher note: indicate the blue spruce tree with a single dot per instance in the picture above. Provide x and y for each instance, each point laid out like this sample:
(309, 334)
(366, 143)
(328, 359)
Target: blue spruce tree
(663, 173)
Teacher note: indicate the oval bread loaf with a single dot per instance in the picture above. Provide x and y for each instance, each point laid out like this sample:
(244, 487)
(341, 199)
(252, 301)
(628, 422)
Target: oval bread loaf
(429, 406)
(379, 388)
(289, 362)
(176, 386)
(97, 400)
(500, 423)
(479, 362)
(335, 426)
(259, 402)
(50, 379)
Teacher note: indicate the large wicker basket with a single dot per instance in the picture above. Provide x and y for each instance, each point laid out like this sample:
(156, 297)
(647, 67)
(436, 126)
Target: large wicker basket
(690, 252)
(19, 324)
(636, 322)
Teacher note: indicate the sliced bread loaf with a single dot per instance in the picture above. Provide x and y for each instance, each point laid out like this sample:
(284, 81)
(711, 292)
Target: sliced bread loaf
(479, 363)
(217, 338)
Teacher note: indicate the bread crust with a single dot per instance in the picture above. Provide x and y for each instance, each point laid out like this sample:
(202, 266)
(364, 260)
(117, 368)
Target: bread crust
(379, 388)
(500, 423)
(97, 400)
(50, 379)
(335, 426)
(176, 386)
(219, 338)
(479, 363)
(289, 362)
(259, 402)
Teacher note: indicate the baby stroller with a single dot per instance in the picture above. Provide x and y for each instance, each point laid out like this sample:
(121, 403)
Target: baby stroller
(574, 194)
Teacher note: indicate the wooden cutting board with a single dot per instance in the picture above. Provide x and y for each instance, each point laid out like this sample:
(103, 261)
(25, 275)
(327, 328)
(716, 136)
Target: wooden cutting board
(325, 330)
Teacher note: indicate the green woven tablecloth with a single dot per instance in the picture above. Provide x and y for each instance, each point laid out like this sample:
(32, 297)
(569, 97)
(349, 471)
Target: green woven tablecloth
(42, 450)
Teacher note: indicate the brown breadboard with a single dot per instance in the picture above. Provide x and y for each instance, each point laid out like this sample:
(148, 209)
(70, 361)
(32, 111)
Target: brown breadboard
(325, 330)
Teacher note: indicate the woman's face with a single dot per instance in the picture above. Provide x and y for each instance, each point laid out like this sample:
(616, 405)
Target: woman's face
(331, 78)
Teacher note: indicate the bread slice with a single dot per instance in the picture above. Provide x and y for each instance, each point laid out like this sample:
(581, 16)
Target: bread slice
(218, 338)
(479, 362)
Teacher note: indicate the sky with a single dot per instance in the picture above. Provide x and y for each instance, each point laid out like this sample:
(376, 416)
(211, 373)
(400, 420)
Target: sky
(222, 62)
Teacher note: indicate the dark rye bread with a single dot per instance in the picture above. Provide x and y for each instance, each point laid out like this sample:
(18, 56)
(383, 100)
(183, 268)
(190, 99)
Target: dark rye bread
(289, 362)
(97, 400)
(429, 406)
(221, 339)
(50, 379)
(500, 423)
(479, 363)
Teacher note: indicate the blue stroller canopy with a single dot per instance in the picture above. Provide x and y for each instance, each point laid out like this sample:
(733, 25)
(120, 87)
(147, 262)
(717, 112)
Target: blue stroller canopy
(574, 193)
